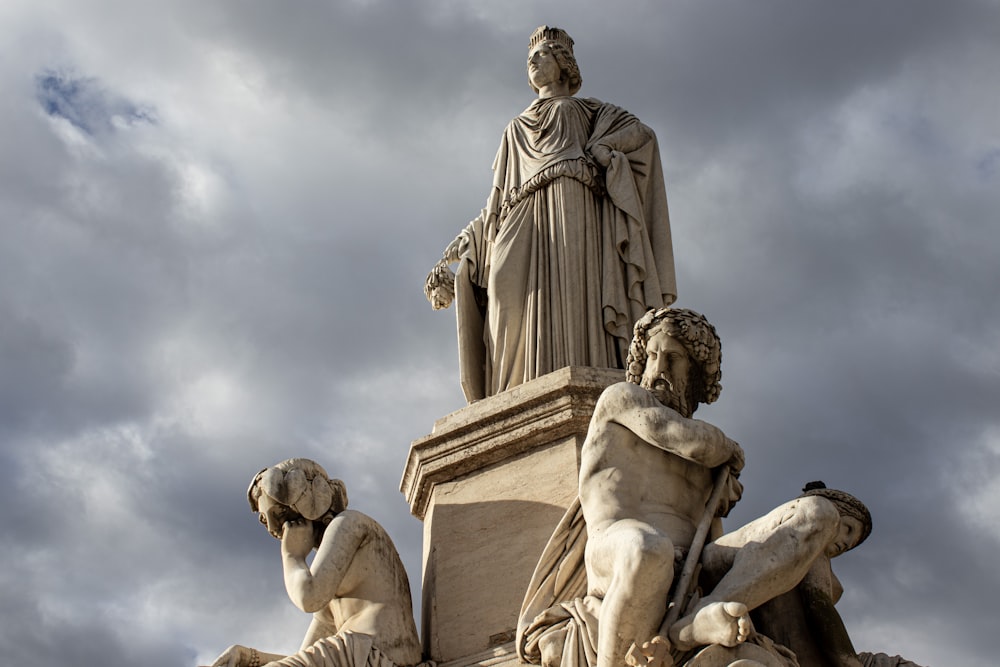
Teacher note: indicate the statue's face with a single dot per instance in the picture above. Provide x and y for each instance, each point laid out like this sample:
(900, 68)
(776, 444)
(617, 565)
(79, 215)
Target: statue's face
(847, 536)
(274, 515)
(543, 68)
(666, 372)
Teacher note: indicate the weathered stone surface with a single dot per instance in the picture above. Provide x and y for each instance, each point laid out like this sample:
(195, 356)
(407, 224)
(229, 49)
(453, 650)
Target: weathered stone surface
(490, 483)
(501, 427)
(498, 656)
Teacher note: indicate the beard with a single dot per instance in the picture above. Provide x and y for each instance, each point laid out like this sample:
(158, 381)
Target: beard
(673, 395)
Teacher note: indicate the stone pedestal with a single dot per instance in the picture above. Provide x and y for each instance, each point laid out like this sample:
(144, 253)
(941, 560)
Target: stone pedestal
(490, 483)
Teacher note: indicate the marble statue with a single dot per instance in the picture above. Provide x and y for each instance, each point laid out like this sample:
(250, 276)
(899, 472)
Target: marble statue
(356, 588)
(573, 245)
(805, 619)
(654, 483)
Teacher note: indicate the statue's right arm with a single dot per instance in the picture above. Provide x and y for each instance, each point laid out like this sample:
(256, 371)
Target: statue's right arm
(456, 248)
(311, 588)
(439, 288)
(635, 409)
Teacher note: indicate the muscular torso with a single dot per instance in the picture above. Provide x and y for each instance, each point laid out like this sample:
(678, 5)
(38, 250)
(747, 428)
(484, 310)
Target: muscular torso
(662, 477)
(623, 477)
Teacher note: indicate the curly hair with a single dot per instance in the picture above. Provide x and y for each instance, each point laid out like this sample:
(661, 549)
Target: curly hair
(569, 71)
(302, 485)
(699, 339)
(846, 504)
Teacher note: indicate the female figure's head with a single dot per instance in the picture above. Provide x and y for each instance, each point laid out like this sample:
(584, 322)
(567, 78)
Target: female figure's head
(551, 61)
(292, 489)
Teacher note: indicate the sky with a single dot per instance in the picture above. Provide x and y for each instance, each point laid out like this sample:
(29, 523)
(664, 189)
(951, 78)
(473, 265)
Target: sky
(216, 219)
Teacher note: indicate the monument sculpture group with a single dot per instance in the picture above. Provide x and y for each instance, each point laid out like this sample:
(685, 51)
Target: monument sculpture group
(569, 265)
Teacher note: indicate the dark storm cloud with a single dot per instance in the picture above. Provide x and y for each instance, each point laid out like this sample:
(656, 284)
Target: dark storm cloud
(216, 221)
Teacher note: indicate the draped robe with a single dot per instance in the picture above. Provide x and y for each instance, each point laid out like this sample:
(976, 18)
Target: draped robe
(344, 649)
(567, 255)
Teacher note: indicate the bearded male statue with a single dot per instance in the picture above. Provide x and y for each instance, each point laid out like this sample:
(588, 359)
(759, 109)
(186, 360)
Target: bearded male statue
(654, 483)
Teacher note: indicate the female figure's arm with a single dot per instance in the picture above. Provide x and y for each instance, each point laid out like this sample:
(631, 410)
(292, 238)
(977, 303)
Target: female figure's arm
(312, 588)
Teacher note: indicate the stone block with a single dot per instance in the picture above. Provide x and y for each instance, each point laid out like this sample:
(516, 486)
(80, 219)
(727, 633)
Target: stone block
(490, 483)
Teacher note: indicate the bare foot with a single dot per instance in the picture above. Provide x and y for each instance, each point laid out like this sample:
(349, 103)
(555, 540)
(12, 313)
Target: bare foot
(725, 623)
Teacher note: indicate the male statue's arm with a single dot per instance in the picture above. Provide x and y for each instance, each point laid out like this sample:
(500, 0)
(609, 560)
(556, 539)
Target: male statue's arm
(635, 409)
(312, 588)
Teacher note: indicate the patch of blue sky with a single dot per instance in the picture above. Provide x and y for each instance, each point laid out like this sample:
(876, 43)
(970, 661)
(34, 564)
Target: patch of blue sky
(919, 132)
(989, 165)
(86, 104)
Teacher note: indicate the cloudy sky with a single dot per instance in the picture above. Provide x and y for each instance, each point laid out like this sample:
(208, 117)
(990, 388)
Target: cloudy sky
(216, 218)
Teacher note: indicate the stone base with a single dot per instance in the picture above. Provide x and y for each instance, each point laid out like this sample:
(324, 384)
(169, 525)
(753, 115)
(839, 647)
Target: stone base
(500, 656)
(490, 483)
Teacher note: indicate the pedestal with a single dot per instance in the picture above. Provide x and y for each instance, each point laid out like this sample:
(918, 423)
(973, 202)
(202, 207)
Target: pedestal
(490, 483)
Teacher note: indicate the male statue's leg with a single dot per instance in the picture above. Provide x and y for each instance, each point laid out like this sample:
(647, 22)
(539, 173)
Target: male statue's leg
(630, 565)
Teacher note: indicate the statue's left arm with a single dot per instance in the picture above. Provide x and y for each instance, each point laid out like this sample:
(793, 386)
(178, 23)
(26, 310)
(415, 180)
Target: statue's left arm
(632, 136)
(627, 150)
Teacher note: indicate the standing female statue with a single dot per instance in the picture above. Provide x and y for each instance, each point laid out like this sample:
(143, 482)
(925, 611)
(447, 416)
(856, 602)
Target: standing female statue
(574, 243)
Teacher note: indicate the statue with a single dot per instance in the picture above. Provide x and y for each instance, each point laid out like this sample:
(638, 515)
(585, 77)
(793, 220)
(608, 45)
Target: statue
(574, 243)
(356, 588)
(653, 485)
(805, 619)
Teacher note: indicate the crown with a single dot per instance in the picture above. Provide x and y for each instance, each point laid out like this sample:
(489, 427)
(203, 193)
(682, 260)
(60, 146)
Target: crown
(544, 33)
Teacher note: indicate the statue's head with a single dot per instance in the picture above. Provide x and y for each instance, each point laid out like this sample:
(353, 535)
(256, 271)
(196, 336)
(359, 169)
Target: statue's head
(293, 489)
(855, 519)
(557, 43)
(676, 355)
